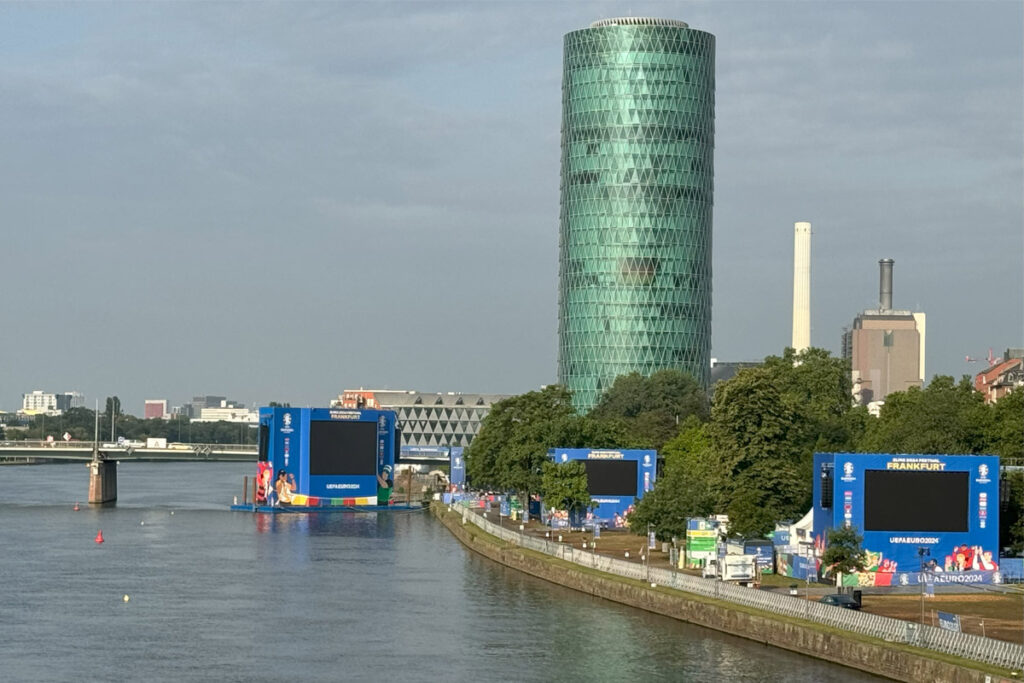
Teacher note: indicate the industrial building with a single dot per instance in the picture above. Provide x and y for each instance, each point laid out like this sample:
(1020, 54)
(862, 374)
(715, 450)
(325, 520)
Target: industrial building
(885, 347)
(801, 286)
(637, 170)
(425, 419)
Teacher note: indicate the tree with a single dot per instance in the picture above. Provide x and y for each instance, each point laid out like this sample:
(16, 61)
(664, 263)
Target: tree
(653, 407)
(686, 488)
(1011, 519)
(760, 451)
(564, 486)
(843, 551)
(946, 417)
(511, 448)
(1005, 437)
(113, 406)
(817, 386)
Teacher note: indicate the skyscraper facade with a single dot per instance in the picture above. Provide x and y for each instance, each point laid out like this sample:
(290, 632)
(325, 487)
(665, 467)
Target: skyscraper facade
(638, 111)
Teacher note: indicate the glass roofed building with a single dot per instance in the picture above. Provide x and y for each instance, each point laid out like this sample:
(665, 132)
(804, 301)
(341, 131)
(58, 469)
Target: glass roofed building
(638, 105)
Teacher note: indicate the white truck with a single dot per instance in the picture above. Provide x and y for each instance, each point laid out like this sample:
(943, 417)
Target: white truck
(736, 568)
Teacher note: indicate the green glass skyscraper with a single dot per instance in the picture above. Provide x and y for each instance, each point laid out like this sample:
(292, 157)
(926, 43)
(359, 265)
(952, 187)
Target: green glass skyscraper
(638, 126)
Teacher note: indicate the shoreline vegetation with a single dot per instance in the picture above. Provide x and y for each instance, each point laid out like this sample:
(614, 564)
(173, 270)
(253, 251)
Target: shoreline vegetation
(891, 660)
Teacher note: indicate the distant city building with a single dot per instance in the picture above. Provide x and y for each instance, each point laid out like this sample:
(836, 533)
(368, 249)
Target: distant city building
(194, 408)
(885, 347)
(724, 370)
(42, 403)
(637, 182)
(450, 419)
(1002, 377)
(228, 414)
(155, 409)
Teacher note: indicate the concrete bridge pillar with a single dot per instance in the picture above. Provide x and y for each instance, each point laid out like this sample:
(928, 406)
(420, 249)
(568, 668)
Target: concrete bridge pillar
(102, 482)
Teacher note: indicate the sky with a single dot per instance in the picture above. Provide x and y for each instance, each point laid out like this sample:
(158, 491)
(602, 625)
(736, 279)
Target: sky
(279, 201)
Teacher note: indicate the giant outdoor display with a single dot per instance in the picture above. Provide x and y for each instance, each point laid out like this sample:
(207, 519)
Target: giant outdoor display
(937, 513)
(330, 456)
(638, 129)
(616, 479)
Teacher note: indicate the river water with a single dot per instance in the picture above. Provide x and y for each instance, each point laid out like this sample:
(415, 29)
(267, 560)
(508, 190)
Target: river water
(215, 595)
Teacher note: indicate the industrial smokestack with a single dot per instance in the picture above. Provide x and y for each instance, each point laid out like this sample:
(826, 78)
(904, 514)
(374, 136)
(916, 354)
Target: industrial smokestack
(885, 284)
(801, 286)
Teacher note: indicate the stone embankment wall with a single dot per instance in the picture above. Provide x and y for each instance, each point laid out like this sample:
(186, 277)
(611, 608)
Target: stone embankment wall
(874, 657)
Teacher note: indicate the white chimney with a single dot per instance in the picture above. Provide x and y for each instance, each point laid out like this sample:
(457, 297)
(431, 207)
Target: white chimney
(801, 286)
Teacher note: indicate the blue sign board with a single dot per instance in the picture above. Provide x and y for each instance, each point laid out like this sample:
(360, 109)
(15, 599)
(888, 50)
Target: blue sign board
(330, 452)
(616, 479)
(933, 512)
(457, 469)
(949, 621)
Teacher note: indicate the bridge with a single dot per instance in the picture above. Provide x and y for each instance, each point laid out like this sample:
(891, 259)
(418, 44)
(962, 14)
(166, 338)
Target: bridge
(29, 452)
(104, 457)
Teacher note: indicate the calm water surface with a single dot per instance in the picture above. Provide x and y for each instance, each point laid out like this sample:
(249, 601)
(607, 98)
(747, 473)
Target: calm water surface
(230, 596)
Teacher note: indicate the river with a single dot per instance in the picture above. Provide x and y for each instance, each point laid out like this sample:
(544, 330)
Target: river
(232, 596)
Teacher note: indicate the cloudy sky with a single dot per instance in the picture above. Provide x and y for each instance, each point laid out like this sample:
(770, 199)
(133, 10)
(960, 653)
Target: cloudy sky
(280, 201)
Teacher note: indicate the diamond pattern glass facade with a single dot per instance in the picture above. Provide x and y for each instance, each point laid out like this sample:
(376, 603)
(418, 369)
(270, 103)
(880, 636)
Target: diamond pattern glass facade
(638, 104)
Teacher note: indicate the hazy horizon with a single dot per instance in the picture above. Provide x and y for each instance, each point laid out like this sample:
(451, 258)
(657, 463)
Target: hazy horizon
(276, 202)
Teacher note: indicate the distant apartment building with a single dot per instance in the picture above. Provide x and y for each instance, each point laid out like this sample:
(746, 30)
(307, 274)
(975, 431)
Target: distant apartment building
(1001, 377)
(194, 408)
(228, 413)
(885, 347)
(155, 409)
(450, 419)
(43, 403)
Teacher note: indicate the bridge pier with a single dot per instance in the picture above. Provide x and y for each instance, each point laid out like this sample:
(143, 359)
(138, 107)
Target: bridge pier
(102, 482)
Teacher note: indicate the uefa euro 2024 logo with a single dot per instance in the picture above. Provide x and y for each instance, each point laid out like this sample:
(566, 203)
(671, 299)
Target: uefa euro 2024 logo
(983, 471)
(287, 419)
(848, 469)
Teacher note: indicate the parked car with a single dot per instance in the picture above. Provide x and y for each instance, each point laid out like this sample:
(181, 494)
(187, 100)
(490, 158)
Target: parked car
(840, 600)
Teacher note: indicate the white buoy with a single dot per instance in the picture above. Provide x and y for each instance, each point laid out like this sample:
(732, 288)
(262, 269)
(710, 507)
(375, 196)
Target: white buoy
(126, 598)
(142, 524)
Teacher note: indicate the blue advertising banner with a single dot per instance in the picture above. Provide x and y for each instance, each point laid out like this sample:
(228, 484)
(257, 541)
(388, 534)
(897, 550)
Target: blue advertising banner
(615, 479)
(933, 512)
(796, 566)
(868, 579)
(457, 469)
(949, 621)
(331, 455)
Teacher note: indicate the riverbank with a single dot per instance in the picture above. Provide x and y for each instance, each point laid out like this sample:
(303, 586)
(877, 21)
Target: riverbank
(895, 661)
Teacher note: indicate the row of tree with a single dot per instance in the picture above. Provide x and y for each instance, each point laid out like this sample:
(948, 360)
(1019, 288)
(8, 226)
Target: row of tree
(748, 451)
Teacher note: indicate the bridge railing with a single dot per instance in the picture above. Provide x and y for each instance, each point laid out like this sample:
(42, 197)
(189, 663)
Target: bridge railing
(978, 648)
(107, 446)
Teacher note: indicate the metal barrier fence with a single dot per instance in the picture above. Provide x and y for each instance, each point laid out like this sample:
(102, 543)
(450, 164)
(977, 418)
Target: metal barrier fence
(988, 650)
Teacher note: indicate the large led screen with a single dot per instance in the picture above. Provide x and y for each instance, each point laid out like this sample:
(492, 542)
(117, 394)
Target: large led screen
(915, 501)
(342, 447)
(611, 477)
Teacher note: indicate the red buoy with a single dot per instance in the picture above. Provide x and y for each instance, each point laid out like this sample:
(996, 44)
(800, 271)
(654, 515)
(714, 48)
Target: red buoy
(99, 536)
(75, 508)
